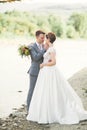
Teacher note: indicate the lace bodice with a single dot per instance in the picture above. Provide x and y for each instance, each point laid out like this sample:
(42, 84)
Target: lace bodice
(47, 54)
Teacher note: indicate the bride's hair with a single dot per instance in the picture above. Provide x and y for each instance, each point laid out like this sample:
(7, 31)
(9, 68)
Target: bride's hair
(51, 36)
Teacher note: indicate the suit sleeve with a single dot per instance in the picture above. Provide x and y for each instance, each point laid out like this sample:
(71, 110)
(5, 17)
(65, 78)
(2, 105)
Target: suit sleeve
(36, 55)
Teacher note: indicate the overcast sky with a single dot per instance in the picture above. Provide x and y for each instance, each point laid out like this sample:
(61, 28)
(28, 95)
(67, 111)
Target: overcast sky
(58, 1)
(27, 5)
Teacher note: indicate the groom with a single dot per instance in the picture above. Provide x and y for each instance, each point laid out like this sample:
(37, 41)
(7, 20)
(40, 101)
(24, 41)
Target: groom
(36, 52)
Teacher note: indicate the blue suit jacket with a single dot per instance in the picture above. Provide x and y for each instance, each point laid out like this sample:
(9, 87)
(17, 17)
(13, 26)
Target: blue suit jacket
(36, 59)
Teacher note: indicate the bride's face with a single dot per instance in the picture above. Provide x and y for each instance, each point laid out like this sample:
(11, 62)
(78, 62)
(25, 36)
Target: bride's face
(47, 40)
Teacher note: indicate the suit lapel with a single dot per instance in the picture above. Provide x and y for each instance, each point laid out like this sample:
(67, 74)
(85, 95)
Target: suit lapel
(36, 47)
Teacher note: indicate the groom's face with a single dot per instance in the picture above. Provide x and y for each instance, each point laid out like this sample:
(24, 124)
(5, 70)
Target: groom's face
(40, 38)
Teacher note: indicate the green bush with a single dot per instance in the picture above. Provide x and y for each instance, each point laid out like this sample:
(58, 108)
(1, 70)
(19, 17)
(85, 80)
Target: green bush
(79, 22)
(56, 25)
(70, 32)
(16, 23)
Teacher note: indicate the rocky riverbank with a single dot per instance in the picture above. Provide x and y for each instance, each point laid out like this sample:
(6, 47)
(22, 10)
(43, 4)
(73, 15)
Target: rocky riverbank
(17, 120)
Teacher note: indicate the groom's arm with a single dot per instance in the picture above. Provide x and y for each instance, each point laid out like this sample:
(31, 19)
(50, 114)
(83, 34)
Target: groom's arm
(36, 55)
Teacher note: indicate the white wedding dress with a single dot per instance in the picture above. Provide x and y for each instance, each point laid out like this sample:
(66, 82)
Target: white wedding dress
(54, 100)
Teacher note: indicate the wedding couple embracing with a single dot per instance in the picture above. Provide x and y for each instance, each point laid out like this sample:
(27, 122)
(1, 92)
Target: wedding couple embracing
(51, 99)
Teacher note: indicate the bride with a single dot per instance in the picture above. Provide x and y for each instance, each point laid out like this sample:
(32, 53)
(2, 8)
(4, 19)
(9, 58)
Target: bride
(54, 100)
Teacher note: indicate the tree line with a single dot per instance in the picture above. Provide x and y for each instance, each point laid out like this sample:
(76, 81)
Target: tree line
(14, 23)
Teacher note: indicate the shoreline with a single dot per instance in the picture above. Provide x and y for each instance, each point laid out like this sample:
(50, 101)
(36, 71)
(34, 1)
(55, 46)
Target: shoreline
(17, 120)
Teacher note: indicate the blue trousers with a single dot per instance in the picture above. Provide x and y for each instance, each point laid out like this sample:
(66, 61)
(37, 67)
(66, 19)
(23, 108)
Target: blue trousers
(31, 89)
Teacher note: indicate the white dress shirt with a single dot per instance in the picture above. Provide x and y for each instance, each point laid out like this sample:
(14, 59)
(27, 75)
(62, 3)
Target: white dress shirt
(39, 45)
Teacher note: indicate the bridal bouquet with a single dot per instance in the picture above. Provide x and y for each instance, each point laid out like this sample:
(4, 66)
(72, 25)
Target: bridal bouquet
(24, 50)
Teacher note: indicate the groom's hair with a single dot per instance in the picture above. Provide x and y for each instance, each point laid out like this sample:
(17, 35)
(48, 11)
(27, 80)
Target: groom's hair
(38, 32)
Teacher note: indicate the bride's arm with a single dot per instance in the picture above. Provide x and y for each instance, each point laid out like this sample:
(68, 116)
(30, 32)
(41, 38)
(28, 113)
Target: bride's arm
(51, 62)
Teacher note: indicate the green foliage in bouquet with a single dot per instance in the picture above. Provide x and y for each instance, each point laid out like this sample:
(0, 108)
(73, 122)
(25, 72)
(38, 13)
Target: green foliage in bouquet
(24, 50)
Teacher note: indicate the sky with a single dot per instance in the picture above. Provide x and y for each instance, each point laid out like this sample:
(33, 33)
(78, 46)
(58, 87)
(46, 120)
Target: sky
(29, 5)
(58, 1)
